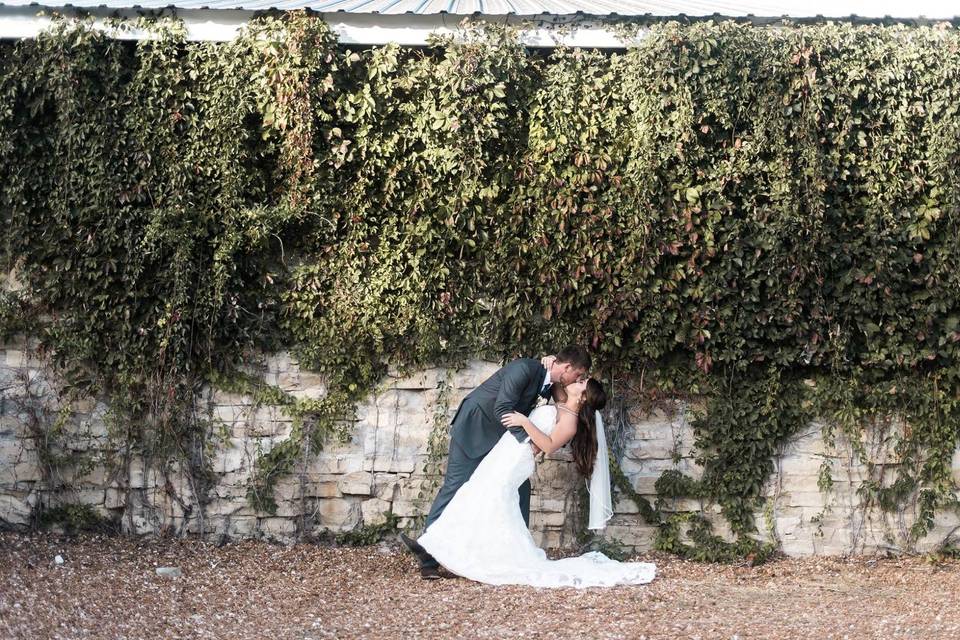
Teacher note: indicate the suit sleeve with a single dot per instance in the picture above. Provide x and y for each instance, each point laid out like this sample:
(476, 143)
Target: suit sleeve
(515, 380)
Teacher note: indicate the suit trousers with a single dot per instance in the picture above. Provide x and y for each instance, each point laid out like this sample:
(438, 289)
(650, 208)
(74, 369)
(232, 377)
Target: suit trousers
(460, 467)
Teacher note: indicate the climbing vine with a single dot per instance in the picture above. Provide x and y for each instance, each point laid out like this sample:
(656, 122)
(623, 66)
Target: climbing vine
(739, 210)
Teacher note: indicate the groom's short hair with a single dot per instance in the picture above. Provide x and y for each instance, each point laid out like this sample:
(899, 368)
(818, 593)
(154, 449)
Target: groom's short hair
(575, 355)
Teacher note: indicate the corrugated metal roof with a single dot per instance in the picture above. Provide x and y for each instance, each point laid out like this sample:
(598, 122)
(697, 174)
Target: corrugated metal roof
(931, 9)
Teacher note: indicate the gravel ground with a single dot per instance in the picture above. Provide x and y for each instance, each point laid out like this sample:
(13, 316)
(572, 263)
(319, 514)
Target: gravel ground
(108, 587)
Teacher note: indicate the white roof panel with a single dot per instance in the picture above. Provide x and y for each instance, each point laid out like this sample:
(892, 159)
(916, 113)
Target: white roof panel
(930, 9)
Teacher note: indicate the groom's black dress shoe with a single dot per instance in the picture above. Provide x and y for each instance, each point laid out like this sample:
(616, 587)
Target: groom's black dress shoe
(430, 573)
(429, 567)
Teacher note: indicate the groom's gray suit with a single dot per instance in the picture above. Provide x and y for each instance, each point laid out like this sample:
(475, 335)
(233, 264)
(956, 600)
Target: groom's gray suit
(476, 426)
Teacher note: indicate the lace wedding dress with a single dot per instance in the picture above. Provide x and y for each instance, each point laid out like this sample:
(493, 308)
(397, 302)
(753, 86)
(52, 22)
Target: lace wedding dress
(481, 534)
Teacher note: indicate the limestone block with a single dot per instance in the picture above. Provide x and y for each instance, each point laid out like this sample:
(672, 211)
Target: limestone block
(563, 454)
(623, 520)
(410, 508)
(86, 442)
(337, 514)
(323, 489)
(231, 456)
(286, 378)
(231, 413)
(390, 454)
(644, 483)
(655, 466)
(338, 446)
(663, 413)
(413, 431)
(303, 384)
(653, 429)
(456, 397)
(551, 539)
(269, 421)
(114, 498)
(831, 525)
(358, 483)
(474, 374)
(789, 526)
(639, 536)
(625, 505)
(280, 362)
(541, 519)
(27, 469)
(555, 472)
(140, 477)
(428, 379)
(287, 489)
(946, 528)
(799, 464)
(857, 473)
(281, 528)
(336, 463)
(659, 449)
(409, 489)
(537, 535)
(269, 414)
(291, 509)
(219, 397)
(548, 538)
(97, 475)
(804, 499)
(809, 442)
(797, 546)
(15, 509)
(10, 426)
(683, 505)
(374, 511)
(802, 482)
(386, 486)
(241, 527)
(836, 543)
(223, 507)
(19, 359)
(233, 483)
(18, 440)
(414, 402)
(137, 525)
(539, 502)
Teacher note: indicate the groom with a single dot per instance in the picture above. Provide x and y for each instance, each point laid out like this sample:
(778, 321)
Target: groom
(476, 427)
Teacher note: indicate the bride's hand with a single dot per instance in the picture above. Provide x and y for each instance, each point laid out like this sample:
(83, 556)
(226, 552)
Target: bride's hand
(547, 361)
(514, 419)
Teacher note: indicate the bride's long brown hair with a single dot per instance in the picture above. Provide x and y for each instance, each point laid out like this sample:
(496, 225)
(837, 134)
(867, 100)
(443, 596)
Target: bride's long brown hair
(584, 443)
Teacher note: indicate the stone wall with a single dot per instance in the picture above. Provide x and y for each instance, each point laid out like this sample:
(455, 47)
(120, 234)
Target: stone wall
(383, 467)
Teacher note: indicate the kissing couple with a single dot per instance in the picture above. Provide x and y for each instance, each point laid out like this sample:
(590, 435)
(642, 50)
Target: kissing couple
(478, 525)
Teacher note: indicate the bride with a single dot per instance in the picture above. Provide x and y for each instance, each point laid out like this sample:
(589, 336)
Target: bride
(481, 534)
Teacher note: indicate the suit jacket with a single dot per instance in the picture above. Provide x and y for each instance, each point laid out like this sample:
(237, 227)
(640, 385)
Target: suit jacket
(476, 426)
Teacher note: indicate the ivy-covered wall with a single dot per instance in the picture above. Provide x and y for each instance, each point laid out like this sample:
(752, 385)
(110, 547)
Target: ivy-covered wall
(764, 220)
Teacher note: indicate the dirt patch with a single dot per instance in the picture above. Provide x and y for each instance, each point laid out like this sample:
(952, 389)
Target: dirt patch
(108, 588)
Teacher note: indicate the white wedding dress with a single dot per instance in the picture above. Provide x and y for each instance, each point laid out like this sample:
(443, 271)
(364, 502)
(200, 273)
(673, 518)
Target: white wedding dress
(481, 534)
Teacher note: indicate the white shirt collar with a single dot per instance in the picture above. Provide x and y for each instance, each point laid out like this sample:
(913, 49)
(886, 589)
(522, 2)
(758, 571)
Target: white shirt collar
(546, 379)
